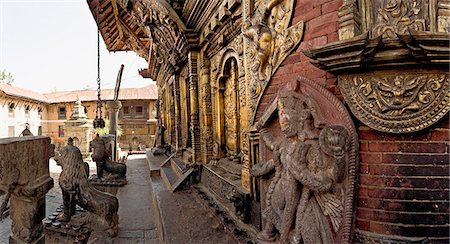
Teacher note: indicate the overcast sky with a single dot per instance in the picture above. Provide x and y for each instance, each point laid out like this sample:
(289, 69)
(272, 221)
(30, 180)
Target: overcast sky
(52, 45)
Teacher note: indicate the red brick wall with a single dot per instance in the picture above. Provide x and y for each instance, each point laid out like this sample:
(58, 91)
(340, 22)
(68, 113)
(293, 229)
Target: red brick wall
(404, 179)
(321, 27)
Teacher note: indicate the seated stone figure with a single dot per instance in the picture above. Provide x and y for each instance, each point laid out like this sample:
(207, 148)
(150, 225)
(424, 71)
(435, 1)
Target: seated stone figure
(101, 154)
(77, 190)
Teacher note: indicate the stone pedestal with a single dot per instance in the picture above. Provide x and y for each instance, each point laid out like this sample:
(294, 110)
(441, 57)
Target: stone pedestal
(24, 175)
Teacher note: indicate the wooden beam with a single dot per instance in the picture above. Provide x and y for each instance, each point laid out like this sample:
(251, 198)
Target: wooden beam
(117, 17)
(132, 34)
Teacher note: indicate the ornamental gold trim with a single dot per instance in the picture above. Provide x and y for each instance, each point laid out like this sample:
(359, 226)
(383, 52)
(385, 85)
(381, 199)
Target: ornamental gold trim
(397, 102)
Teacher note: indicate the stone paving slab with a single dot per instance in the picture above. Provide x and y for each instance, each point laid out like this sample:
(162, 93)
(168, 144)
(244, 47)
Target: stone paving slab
(137, 219)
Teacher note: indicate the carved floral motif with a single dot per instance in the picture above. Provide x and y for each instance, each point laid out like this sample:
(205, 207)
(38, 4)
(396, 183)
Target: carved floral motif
(397, 103)
(398, 17)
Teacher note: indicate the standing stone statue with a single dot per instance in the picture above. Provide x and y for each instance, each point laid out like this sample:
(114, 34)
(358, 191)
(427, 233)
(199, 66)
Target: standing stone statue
(101, 154)
(308, 160)
(77, 190)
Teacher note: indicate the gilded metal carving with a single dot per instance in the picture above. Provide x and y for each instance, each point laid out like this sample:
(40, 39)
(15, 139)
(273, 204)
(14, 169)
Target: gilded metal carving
(397, 103)
(398, 17)
(269, 42)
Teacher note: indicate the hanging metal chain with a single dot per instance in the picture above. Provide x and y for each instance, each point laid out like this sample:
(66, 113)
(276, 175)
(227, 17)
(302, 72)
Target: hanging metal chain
(98, 121)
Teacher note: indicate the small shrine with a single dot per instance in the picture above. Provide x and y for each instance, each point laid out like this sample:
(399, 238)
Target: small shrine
(79, 128)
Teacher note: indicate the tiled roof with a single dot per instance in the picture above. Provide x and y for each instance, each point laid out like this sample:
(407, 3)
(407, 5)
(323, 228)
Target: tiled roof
(144, 93)
(21, 93)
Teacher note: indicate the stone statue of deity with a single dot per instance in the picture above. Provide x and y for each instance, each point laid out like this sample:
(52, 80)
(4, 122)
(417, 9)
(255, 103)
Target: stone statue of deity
(309, 160)
(77, 190)
(101, 155)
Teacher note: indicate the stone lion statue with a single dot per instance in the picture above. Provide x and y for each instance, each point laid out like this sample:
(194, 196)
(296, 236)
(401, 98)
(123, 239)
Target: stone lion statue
(77, 190)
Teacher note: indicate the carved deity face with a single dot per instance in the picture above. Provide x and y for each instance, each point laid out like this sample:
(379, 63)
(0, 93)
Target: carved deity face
(287, 119)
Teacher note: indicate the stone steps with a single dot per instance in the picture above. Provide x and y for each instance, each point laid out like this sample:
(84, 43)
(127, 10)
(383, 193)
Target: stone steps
(174, 172)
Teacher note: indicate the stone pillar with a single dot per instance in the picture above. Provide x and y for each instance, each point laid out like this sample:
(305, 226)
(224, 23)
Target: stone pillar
(193, 88)
(24, 174)
(114, 108)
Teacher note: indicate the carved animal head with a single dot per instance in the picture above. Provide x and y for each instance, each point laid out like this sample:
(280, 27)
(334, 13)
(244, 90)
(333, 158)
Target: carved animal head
(71, 161)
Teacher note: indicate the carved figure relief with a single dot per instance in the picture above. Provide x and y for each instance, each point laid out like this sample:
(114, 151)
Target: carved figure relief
(77, 190)
(227, 113)
(309, 197)
(270, 41)
(397, 103)
(398, 17)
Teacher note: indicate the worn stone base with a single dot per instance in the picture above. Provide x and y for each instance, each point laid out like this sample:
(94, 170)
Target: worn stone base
(74, 231)
(367, 237)
(108, 181)
(40, 240)
(156, 150)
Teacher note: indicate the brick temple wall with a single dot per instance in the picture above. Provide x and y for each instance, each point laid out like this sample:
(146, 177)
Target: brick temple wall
(321, 27)
(404, 179)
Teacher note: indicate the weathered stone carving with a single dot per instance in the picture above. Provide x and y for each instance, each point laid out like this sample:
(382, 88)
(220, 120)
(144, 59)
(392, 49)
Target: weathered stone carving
(24, 177)
(101, 155)
(397, 17)
(269, 42)
(309, 197)
(397, 103)
(77, 190)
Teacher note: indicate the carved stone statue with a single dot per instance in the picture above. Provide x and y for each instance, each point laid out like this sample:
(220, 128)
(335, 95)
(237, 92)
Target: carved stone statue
(77, 190)
(308, 160)
(101, 155)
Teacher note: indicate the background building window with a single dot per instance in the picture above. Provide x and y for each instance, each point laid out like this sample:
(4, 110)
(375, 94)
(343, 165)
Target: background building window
(40, 113)
(11, 131)
(62, 113)
(139, 109)
(27, 111)
(61, 131)
(12, 107)
(126, 110)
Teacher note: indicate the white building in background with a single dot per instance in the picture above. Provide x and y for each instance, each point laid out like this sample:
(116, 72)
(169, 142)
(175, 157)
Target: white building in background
(20, 108)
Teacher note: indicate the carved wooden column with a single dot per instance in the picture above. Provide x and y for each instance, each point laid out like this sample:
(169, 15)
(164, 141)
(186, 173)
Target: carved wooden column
(206, 113)
(443, 17)
(349, 20)
(193, 87)
(24, 173)
(177, 101)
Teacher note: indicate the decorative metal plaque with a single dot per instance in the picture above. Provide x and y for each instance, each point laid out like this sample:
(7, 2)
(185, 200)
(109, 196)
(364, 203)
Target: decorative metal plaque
(397, 102)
